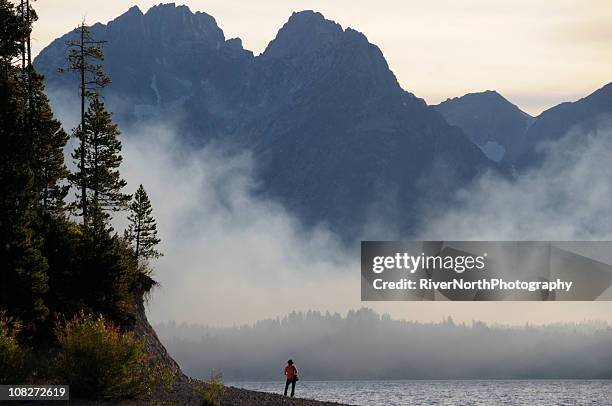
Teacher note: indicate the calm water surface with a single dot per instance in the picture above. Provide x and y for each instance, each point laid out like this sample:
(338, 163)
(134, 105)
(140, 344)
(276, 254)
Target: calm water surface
(395, 393)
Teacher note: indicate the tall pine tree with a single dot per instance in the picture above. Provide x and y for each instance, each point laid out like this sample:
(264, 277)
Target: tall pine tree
(84, 57)
(142, 231)
(99, 174)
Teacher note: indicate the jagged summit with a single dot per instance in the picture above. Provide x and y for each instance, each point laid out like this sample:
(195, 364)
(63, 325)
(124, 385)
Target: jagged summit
(308, 32)
(310, 20)
(170, 6)
(165, 23)
(179, 22)
(304, 32)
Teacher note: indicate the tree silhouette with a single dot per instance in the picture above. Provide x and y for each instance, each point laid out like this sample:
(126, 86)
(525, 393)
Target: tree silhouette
(84, 57)
(142, 231)
(23, 276)
(99, 175)
(49, 140)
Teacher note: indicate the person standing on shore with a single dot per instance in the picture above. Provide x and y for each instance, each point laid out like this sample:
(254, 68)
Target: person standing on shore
(292, 377)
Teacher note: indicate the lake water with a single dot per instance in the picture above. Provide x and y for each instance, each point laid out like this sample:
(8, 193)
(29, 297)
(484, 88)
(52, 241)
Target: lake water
(395, 393)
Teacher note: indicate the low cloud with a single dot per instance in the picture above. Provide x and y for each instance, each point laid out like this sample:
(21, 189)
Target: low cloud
(566, 198)
(230, 257)
(233, 258)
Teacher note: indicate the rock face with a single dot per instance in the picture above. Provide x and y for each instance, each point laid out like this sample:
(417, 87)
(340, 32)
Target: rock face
(334, 136)
(153, 346)
(490, 121)
(182, 389)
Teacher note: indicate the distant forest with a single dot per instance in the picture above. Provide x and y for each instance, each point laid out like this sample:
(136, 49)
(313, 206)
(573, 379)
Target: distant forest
(366, 345)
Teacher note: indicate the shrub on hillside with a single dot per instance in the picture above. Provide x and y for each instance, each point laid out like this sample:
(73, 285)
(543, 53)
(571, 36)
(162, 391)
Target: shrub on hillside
(14, 359)
(212, 391)
(98, 360)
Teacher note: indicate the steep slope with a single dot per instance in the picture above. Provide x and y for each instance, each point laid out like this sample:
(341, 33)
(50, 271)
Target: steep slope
(490, 121)
(583, 115)
(334, 136)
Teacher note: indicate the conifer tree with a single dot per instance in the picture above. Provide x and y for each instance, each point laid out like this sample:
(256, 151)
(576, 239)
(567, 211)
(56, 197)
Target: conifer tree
(23, 277)
(142, 231)
(84, 57)
(12, 35)
(49, 141)
(48, 137)
(99, 174)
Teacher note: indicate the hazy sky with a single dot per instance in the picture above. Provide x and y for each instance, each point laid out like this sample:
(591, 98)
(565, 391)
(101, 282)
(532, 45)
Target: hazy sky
(536, 53)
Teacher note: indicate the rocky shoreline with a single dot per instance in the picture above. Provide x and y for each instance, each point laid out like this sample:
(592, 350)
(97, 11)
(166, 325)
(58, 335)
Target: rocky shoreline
(188, 392)
(242, 397)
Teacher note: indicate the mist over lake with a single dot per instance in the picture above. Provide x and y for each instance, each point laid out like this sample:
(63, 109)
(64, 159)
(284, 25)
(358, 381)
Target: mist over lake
(366, 345)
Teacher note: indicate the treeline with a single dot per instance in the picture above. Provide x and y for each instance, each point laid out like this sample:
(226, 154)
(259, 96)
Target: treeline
(60, 257)
(366, 345)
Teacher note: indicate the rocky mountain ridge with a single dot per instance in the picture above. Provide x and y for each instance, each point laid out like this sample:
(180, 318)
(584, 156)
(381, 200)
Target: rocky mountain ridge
(334, 136)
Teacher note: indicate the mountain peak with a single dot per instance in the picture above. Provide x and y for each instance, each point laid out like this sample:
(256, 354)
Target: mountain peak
(182, 11)
(485, 100)
(133, 10)
(168, 6)
(308, 17)
(304, 32)
(129, 17)
(493, 96)
(489, 119)
(169, 22)
(485, 94)
(492, 93)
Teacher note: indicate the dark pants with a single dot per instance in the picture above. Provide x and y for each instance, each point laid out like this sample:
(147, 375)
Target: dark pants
(292, 382)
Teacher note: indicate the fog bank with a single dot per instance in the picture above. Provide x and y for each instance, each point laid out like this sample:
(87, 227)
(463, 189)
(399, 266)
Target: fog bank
(364, 345)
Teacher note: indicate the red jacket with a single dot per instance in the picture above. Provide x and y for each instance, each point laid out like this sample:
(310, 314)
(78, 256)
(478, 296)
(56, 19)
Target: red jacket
(290, 371)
